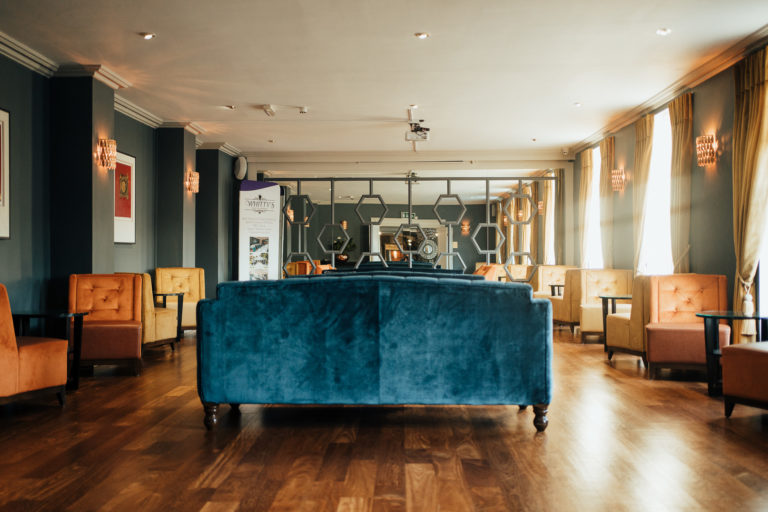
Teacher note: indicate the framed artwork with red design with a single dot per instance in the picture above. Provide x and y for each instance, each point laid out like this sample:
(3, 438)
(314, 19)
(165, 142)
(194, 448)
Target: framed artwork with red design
(5, 172)
(125, 199)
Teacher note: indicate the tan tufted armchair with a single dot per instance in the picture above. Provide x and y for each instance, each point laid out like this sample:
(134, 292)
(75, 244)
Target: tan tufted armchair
(159, 326)
(546, 275)
(580, 303)
(112, 328)
(674, 334)
(494, 271)
(191, 282)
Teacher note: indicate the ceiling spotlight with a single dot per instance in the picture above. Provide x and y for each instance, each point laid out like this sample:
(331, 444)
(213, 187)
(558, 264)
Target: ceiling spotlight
(269, 110)
(230, 107)
(664, 31)
(534, 140)
(148, 35)
(303, 110)
(421, 35)
(577, 104)
(413, 106)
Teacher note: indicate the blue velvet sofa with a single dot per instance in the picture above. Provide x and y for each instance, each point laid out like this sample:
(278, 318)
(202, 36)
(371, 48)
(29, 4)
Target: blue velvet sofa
(374, 339)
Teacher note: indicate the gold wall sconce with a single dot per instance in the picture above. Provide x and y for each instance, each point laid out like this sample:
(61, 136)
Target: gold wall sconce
(706, 150)
(540, 207)
(106, 154)
(618, 180)
(506, 220)
(192, 181)
(465, 227)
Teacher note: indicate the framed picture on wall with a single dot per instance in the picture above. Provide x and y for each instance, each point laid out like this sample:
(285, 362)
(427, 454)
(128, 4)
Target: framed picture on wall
(125, 199)
(5, 173)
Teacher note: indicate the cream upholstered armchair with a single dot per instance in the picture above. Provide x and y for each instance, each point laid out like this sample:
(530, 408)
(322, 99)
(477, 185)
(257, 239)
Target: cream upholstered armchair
(495, 271)
(190, 282)
(625, 330)
(546, 275)
(580, 303)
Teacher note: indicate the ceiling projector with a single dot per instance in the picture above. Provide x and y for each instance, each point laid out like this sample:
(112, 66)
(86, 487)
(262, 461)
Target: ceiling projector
(417, 132)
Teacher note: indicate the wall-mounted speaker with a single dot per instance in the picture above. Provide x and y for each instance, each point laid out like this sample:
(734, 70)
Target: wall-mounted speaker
(241, 167)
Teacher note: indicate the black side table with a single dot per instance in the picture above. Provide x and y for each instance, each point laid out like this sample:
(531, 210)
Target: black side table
(556, 289)
(74, 335)
(612, 299)
(180, 295)
(712, 343)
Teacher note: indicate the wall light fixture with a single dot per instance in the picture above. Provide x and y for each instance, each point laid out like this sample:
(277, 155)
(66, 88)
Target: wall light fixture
(618, 180)
(192, 181)
(106, 154)
(706, 150)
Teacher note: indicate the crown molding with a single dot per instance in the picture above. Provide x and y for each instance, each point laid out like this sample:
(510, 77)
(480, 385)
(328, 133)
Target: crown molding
(97, 71)
(224, 147)
(26, 56)
(402, 157)
(136, 113)
(193, 128)
(717, 64)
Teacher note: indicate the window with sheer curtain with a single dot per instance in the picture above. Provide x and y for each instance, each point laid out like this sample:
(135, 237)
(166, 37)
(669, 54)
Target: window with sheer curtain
(762, 289)
(593, 256)
(656, 245)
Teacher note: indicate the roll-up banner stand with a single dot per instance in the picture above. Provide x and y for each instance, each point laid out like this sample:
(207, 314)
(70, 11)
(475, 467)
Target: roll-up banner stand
(259, 237)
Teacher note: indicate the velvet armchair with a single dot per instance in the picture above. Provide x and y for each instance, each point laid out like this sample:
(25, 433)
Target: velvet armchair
(112, 328)
(29, 364)
(191, 282)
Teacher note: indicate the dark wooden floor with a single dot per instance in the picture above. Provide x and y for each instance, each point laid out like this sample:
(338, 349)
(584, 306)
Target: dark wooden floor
(616, 441)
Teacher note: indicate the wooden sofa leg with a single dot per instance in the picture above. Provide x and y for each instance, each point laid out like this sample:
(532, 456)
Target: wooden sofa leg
(610, 354)
(62, 397)
(729, 405)
(522, 407)
(235, 408)
(137, 368)
(210, 414)
(540, 420)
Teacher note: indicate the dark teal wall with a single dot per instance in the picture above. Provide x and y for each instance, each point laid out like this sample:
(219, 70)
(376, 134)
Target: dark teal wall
(712, 249)
(623, 232)
(25, 257)
(138, 140)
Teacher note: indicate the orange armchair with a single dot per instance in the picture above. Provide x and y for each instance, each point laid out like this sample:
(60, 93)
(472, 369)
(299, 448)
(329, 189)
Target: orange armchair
(674, 334)
(190, 282)
(112, 328)
(29, 364)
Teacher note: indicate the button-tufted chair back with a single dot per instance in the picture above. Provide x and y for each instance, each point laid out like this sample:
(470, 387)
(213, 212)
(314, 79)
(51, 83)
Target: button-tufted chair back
(677, 298)
(9, 352)
(549, 274)
(190, 281)
(105, 296)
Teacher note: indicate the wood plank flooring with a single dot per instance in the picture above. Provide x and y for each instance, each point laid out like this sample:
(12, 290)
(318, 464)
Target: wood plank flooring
(616, 441)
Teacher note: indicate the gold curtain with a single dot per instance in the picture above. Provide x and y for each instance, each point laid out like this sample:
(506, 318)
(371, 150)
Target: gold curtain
(535, 223)
(681, 117)
(750, 180)
(549, 223)
(559, 216)
(642, 164)
(607, 153)
(513, 238)
(585, 185)
(525, 206)
(501, 256)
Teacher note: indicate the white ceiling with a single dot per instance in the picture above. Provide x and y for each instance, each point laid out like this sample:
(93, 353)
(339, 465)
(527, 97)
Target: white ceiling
(493, 75)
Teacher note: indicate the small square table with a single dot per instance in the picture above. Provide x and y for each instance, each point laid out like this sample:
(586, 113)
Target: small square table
(556, 289)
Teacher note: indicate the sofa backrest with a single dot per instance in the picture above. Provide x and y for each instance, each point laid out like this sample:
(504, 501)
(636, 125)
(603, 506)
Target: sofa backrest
(677, 298)
(190, 281)
(9, 351)
(549, 274)
(105, 296)
(640, 314)
(374, 339)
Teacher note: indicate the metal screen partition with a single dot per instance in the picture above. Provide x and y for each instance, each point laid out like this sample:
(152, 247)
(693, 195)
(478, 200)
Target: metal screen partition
(299, 218)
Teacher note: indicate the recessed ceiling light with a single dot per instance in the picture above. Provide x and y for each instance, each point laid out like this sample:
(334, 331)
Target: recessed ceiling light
(230, 107)
(413, 106)
(534, 140)
(577, 104)
(664, 31)
(421, 35)
(148, 35)
(271, 141)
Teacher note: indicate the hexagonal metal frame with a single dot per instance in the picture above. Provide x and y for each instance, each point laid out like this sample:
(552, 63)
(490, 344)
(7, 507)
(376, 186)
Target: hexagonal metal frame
(487, 225)
(307, 258)
(512, 218)
(369, 254)
(437, 260)
(332, 251)
(448, 222)
(510, 261)
(381, 201)
(312, 210)
(400, 231)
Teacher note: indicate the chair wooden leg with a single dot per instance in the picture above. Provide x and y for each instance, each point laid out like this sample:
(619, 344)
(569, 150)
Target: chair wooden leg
(729, 405)
(137, 368)
(62, 397)
(540, 420)
(610, 354)
(210, 419)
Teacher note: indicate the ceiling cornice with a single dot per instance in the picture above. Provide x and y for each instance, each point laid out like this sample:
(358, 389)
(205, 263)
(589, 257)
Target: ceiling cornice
(193, 128)
(224, 147)
(403, 157)
(137, 113)
(719, 63)
(97, 71)
(26, 56)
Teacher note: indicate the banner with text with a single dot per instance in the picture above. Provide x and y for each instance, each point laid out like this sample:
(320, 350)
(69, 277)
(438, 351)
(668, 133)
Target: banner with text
(259, 236)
